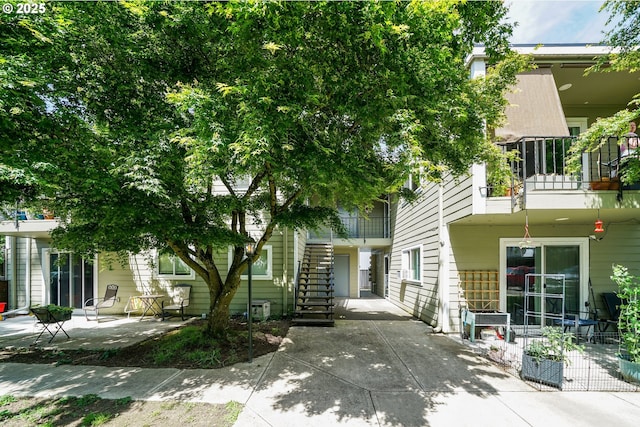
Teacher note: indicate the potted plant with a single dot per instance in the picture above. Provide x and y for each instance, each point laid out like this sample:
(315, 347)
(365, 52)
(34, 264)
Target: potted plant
(543, 359)
(500, 178)
(52, 313)
(628, 323)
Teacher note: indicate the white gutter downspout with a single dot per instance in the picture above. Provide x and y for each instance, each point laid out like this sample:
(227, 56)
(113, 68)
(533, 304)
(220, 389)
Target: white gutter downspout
(14, 276)
(285, 271)
(443, 267)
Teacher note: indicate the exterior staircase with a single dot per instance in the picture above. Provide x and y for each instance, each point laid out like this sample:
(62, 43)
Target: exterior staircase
(314, 290)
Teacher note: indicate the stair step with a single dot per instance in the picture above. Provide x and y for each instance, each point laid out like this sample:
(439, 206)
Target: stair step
(315, 304)
(312, 322)
(314, 292)
(306, 312)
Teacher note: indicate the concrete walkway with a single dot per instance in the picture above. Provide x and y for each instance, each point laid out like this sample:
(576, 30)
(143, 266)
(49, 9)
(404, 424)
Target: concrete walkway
(387, 371)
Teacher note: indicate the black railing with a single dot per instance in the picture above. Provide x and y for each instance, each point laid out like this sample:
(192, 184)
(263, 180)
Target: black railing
(542, 165)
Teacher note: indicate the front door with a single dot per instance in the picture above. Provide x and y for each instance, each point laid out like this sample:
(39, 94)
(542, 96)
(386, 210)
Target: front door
(548, 256)
(71, 279)
(341, 281)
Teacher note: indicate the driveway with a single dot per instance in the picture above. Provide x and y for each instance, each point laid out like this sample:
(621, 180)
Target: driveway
(376, 367)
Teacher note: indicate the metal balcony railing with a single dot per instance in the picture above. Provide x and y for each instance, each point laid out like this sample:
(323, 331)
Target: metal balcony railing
(358, 227)
(542, 165)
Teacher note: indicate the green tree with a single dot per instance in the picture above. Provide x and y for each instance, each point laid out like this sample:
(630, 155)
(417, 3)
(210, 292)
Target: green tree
(624, 39)
(313, 104)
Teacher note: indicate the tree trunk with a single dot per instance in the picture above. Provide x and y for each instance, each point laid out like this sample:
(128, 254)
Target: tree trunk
(220, 297)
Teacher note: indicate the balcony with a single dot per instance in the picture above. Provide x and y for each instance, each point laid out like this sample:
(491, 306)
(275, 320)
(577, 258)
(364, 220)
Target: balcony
(373, 231)
(542, 165)
(541, 168)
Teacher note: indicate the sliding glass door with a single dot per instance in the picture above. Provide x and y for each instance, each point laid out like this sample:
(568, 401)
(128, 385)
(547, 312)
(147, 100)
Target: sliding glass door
(564, 257)
(71, 279)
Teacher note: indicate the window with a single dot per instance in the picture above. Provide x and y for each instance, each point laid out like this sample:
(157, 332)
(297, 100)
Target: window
(261, 269)
(576, 125)
(170, 266)
(412, 264)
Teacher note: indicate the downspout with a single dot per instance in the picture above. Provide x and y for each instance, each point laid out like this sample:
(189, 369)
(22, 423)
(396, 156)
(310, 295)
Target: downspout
(443, 267)
(14, 277)
(285, 271)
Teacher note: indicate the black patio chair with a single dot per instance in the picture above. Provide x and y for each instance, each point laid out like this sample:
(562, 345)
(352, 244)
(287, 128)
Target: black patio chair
(612, 303)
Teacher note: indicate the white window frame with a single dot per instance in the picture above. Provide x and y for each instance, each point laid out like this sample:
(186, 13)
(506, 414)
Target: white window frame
(581, 242)
(406, 264)
(46, 273)
(577, 122)
(267, 250)
(156, 258)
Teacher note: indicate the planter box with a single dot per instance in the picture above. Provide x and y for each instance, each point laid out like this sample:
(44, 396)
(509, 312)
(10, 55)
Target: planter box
(549, 372)
(45, 316)
(630, 370)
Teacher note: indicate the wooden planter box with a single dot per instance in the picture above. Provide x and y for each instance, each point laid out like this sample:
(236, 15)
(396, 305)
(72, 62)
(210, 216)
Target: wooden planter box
(549, 372)
(605, 184)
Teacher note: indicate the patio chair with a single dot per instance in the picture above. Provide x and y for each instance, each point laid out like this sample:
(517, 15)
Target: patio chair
(612, 303)
(96, 304)
(179, 300)
(573, 320)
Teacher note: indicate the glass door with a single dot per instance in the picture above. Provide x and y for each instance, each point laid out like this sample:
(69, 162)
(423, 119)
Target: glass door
(552, 257)
(71, 280)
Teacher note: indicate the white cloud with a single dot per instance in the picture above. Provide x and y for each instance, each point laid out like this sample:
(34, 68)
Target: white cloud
(557, 21)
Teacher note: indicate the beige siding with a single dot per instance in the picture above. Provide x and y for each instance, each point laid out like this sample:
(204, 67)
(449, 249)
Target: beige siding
(38, 280)
(457, 198)
(478, 248)
(417, 224)
(353, 268)
(138, 277)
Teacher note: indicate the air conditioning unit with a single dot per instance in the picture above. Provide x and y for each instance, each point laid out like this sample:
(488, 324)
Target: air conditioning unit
(260, 309)
(406, 274)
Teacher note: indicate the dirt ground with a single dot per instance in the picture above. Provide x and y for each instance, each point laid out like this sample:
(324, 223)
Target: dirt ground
(92, 411)
(267, 337)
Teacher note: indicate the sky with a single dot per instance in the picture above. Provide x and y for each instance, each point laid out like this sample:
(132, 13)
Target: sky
(557, 21)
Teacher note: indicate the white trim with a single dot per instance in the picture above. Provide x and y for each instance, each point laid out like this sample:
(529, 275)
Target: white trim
(266, 250)
(443, 265)
(158, 275)
(581, 242)
(46, 275)
(406, 263)
(579, 122)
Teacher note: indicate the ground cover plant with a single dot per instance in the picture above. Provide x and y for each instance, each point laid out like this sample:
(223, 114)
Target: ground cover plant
(186, 347)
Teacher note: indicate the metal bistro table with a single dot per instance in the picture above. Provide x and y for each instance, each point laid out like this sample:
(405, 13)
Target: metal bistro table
(150, 305)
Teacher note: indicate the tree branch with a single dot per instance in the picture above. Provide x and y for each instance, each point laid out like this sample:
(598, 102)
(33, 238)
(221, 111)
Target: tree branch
(182, 251)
